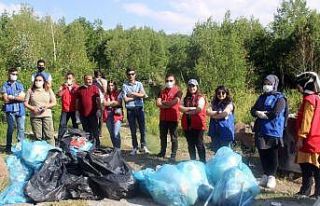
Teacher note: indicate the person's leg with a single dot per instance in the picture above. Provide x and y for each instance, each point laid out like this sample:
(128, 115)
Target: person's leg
(36, 125)
(163, 127)
(85, 123)
(94, 129)
(200, 146)
(263, 154)
(133, 127)
(111, 128)
(73, 119)
(174, 138)
(48, 130)
(215, 144)
(142, 126)
(316, 175)
(20, 127)
(117, 137)
(272, 160)
(191, 144)
(10, 128)
(62, 125)
(306, 170)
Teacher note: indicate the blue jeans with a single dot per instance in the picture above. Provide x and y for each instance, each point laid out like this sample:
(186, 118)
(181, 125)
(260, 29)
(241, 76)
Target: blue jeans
(114, 131)
(12, 118)
(65, 116)
(137, 115)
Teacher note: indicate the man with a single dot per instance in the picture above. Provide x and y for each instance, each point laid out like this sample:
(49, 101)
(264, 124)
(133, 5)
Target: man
(133, 94)
(13, 96)
(168, 102)
(101, 83)
(87, 107)
(41, 65)
(67, 92)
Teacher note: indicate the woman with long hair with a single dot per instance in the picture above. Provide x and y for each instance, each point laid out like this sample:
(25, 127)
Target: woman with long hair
(39, 100)
(112, 114)
(221, 113)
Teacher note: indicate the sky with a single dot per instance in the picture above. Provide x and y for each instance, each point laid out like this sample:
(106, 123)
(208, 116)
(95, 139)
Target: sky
(171, 16)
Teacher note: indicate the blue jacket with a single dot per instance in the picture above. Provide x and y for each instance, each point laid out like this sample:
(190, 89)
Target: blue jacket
(13, 89)
(272, 128)
(222, 128)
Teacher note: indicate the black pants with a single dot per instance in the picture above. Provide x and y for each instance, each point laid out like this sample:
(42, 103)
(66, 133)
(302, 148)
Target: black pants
(309, 171)
(269, 160)
(164, 127)
(65, 116)
(90, 125)
(195, 140)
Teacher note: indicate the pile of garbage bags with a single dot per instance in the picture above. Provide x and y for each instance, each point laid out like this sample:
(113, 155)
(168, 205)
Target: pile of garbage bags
(40, 172)
(223, 180)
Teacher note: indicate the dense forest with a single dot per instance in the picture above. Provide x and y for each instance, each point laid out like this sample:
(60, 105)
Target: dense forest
(235, 52)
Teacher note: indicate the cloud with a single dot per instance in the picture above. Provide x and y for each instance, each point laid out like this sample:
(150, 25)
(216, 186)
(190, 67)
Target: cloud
(10, 8)
(181, 15)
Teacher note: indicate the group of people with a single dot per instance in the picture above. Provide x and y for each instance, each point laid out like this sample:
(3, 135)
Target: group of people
(97, 101)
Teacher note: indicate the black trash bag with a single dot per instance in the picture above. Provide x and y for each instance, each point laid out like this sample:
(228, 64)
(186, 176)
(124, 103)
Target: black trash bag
(64, 142)
(53, 182)
(110, 176)
(48, 183)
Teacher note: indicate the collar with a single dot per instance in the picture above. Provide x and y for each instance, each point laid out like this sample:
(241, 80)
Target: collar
(132, 83)
(308, 92)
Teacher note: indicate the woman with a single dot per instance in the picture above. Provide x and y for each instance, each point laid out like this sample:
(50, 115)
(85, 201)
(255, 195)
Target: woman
(193, 120)
(221, 128)
(112, 114)
(271, 111)
(168, 102)
(39, 100)
(308, 133)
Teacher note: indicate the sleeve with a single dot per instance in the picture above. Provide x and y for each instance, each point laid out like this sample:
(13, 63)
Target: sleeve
(124, 91)
(32, 77)
(229, 108)
(279, 107)
(52, 96)
(254, 108)
(179, 94)
(201, 102)
(141, 88)
(307, 116)
(28, 94)
(3, 89)
(49, 78)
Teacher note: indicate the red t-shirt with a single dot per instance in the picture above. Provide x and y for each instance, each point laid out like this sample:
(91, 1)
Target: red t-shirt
(107, 111)
(87, 98)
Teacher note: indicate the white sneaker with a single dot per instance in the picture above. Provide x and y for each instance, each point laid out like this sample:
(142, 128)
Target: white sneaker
(134, 151)
(271, 182)
(263, 180)
(144, 149)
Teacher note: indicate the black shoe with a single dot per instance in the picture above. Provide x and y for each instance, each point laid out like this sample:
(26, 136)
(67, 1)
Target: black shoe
(314, 196)
(8, 151)
(160, 155)
(172, 159)
(301, 195)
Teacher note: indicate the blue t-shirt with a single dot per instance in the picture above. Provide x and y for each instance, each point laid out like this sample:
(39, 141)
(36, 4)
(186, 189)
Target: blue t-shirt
(128, 88)
(13, 89)
(46, 75)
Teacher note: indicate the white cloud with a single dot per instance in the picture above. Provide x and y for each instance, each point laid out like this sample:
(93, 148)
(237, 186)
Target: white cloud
(181, 15)
(10, 8)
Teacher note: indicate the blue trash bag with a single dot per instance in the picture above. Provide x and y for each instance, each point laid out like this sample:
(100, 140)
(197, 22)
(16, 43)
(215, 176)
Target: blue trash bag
(140, 177)
(19, 174)
(235, 188)
(86, 147)
(35, 153)
(223, 160)
(168, 186)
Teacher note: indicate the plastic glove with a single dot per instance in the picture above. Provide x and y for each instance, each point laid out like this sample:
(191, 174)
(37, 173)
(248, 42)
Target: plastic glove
(78, 117)
(261, 115)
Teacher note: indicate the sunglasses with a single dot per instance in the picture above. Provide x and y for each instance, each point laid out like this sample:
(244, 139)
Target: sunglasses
(169, 80)
(131, 74)
(14, 74)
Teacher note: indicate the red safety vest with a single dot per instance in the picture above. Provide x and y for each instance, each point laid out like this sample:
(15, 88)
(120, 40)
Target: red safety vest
(311, 144)
(169, 114)
(196, 121)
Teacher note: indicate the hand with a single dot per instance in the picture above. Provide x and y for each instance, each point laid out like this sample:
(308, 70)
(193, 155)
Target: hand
(261, 115)
(10, 97)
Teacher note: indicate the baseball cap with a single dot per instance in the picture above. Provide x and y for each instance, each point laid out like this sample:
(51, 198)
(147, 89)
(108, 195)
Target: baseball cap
(193, 82)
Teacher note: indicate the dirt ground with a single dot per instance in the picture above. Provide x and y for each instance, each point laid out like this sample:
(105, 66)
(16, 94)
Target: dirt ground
(283, 194)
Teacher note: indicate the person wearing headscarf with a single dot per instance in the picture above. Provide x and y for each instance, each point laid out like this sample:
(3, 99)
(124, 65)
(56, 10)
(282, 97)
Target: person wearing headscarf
(308, 133)
(271, 112)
